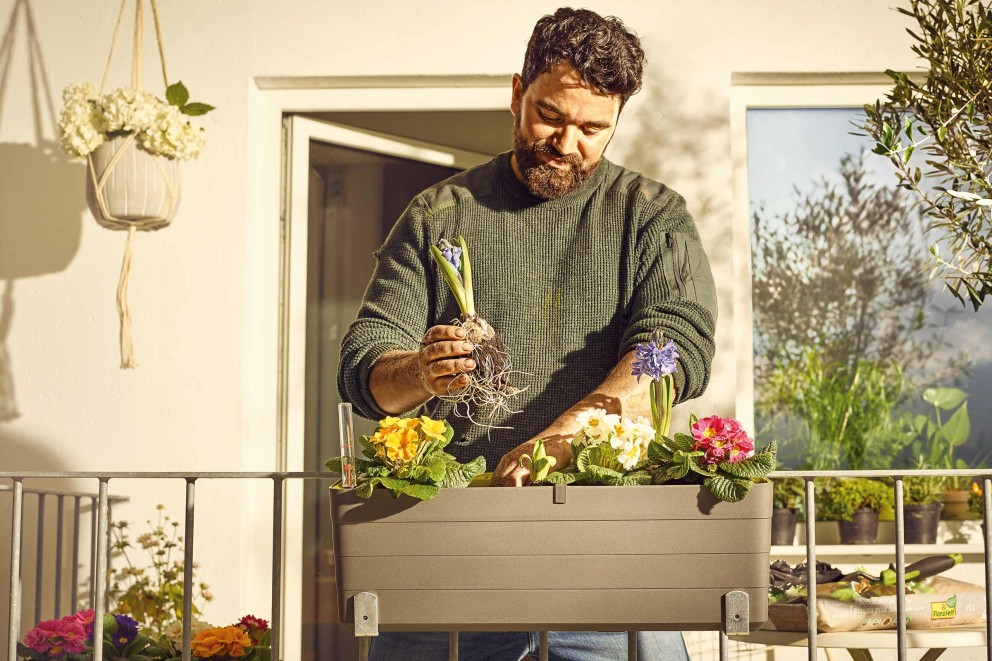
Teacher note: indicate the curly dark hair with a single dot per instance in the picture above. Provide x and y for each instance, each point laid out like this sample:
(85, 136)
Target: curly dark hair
(607, 56)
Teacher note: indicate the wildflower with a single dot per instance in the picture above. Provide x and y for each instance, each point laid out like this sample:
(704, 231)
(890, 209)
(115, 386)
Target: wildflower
(147, 540)
(653, 360)
(220, 641)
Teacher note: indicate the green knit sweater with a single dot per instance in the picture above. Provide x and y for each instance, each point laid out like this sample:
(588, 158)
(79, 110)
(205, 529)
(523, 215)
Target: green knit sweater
(570, 284)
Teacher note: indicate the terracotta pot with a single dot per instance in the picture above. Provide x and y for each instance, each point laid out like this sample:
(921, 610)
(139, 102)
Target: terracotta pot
(783, 527)
(921, 523)
(955, 504)
(480, 559)
(861, 529)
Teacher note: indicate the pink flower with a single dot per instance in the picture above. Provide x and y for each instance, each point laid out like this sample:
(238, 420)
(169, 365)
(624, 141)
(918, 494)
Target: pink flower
(721, 439)
(57, 637)
(253, 626)
(85, 618)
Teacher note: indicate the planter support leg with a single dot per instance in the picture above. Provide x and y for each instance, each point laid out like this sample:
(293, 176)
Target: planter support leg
(631, 646)
(452, 646)
(366, 606)
(736, 618)
(542, 646)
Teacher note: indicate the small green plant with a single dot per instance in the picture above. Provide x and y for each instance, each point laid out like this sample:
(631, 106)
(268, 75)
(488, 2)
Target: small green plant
(922, 490)
(153, 594)
(937, 438)
(841, 497)
(789, 493)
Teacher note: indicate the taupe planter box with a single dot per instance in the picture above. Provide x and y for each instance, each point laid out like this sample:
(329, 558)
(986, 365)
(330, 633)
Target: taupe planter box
(607, 558)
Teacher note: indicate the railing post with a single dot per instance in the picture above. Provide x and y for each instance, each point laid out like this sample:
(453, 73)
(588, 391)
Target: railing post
(16, 523)
(810, 568)
(39, 567)
(100, 569)
(188, 568)
(74, 591)
(277, 495)
(900, 571)
(987, 519)
(59, 543)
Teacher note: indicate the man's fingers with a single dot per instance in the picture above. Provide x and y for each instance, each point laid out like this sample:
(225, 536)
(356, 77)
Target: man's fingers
(440, 368)
(441, 333)
(445, 349)
(445, 385)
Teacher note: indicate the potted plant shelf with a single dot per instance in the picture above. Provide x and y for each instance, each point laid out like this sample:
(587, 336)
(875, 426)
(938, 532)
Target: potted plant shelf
(570, 557)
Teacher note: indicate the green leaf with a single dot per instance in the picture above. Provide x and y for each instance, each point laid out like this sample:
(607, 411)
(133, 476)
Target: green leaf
(726, 488)
(676, 471)
(437, 467)
(660, 476)
(177, 94)
(761, 464)
(941, 133)
(367, 448)
(364, 489)
(636, 478)
(196, 109)
(683, 442)
(586, 457)
(945, 398)
(561, 477)
(957, 430)
(421, 491)
(459, 475)
(695, 467)
(601, 474)
(333, 464)
(658, 453)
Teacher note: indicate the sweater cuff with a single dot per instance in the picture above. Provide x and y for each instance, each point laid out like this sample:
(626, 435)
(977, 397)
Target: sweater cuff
(362, 398)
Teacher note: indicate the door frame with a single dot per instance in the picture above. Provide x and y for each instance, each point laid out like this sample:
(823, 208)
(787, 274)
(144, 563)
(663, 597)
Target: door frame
(274, 360)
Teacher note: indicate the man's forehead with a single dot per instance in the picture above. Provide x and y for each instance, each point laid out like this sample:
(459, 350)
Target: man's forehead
(564, 86)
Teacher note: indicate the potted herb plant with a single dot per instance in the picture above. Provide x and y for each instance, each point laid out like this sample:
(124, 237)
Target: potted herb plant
(921, 508)
(788, 499)
(854, 503)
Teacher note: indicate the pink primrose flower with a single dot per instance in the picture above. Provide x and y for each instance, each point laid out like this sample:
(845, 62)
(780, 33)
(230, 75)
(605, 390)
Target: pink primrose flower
(85, 618)
(708, 428)
(57, 637)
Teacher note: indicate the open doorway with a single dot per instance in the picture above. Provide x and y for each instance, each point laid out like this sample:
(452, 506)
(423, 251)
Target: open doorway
(358, 179)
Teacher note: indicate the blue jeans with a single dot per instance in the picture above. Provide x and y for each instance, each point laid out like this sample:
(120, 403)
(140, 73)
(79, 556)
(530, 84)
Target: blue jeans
(515, 645)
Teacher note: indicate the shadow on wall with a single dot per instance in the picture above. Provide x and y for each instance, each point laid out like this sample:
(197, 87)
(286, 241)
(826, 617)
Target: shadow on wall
(42, 191)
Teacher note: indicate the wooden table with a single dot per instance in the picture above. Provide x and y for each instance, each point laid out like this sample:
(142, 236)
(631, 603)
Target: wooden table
(858, 643)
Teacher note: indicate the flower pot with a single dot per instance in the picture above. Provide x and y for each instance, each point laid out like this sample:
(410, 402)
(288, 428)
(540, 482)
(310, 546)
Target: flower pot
(861, 529)
(955, 504)
(783, 527)
(585, 558)
(126, 186)
(921, 523)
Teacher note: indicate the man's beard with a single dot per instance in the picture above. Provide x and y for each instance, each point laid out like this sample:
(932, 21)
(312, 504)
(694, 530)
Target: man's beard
(543, 179)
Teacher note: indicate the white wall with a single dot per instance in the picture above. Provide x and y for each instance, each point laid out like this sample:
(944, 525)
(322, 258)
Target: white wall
(185, 406)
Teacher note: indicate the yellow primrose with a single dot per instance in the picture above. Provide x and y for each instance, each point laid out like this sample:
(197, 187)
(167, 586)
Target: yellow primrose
(401, 445)
(432, 428)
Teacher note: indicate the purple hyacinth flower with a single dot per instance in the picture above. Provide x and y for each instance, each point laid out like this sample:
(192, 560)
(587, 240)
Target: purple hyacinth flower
(654, 360)
(453, 254)
(127, 630)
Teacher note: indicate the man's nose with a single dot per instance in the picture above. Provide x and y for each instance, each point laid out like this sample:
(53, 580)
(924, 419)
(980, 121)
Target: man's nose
(567, 140)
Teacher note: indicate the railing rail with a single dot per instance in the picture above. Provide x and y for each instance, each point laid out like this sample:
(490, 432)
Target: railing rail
(102, 537)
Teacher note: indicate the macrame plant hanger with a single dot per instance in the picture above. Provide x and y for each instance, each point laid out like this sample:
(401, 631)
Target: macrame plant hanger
(99, 179)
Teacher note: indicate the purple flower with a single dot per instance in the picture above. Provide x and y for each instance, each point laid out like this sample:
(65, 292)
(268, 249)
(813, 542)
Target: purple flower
(451, 253)
(654, 360)
(127, 630)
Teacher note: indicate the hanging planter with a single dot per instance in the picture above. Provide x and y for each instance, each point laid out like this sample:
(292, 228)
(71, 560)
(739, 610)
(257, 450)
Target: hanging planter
(132, 142)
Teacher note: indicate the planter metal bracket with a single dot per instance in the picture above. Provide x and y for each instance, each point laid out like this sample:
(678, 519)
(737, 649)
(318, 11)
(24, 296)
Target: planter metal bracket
(366, 614)
(559, 494)
(736, 613)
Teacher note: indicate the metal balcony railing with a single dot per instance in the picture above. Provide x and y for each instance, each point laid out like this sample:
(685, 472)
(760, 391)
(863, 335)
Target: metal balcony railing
(101, 526)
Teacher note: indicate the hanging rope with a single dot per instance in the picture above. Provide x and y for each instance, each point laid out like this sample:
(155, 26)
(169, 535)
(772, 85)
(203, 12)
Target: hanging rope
(125, 149)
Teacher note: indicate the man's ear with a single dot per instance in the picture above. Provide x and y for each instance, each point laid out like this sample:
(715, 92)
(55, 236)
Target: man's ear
(518, 94)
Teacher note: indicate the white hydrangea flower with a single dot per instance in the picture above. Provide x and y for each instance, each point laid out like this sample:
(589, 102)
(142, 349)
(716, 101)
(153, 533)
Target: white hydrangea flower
(630, 454)
(160, 128)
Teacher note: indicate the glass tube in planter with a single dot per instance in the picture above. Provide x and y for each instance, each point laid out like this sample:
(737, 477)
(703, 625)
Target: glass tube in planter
(347, 435)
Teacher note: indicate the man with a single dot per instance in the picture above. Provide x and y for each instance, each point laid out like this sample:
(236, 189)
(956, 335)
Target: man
(575, 260)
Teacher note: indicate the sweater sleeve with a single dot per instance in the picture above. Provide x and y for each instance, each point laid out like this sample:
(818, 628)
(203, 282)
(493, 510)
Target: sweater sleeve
(394, 311)
(674, 292)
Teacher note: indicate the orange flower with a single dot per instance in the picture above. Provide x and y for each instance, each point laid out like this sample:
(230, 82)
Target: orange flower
(220, 641)
(401, 445)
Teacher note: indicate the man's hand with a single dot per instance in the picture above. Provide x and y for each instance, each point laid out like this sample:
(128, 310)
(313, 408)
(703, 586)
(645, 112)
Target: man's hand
(509, 473)
(403, 380)
(442, 361)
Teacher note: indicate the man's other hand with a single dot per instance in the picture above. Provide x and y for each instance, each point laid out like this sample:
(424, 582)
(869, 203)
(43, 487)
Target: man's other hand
(444, 359)
(509, 473)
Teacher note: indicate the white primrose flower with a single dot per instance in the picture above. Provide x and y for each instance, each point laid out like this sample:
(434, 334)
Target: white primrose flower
(596, 424)
(630, 454)
(623, 431)
(642, 431)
